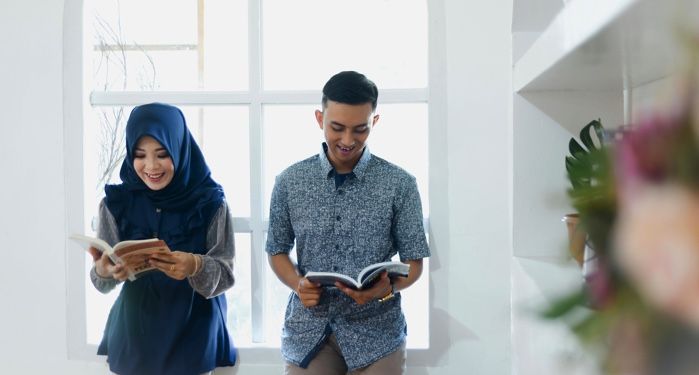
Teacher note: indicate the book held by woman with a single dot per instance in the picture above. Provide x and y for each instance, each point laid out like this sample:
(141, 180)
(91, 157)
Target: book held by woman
(133, 254)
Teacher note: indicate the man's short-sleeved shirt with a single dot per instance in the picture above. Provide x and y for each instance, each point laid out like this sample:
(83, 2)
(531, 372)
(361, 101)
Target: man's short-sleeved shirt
(372, 216)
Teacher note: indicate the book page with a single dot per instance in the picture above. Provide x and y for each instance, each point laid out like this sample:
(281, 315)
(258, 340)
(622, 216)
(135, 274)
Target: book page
(373, 271)
(329, 279)
(87, 241)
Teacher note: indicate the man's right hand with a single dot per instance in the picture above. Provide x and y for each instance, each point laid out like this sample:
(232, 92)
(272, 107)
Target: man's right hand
(308, 292)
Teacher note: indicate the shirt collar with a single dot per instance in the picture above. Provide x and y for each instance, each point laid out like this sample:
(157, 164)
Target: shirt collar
(327, 168)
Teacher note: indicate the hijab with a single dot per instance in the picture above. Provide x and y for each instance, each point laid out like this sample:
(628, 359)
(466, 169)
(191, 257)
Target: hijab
(192, 189)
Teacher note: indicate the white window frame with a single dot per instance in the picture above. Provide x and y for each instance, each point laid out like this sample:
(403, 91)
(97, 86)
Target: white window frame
(77, 101)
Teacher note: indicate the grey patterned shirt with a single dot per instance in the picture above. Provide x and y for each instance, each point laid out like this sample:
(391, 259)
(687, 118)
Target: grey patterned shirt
(372, 216)
(216, 273)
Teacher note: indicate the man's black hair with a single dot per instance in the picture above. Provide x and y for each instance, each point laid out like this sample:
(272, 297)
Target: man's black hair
(350, 87)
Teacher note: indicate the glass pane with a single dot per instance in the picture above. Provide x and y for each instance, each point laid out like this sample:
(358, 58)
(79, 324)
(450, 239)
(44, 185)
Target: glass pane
(291, 134)
(417, 311)
(129, 53)
(226, 45)
(277, 296)
(144, 70)
(401, 137)
(97, 306)
(223, 134)
(148, 22)
(239, 297)
(104, 148)
(364, 35)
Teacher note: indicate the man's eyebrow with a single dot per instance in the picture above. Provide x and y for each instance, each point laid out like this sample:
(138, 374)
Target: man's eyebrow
(343, 125)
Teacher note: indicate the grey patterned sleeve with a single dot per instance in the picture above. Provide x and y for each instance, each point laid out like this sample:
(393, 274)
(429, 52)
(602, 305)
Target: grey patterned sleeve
(407, 229)
(280, 237)
(108, 231)
(216, 273)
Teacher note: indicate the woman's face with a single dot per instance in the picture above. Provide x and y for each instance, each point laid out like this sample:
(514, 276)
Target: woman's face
(152, 163)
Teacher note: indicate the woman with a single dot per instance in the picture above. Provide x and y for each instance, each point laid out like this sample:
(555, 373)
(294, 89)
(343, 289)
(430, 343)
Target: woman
(173, 321)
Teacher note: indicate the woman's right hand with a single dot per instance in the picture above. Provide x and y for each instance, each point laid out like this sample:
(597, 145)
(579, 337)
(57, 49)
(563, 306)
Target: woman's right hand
(308, 292)
(105, 268)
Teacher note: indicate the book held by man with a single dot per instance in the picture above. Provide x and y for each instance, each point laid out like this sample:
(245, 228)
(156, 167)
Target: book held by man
(365, 278)
(133, 254)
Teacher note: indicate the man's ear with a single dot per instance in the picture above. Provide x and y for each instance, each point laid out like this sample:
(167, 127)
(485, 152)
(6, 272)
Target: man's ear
(375, 120)
(319, 118)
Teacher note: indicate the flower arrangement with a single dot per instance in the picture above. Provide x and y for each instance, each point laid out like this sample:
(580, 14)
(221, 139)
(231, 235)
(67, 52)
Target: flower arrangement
(639, 310)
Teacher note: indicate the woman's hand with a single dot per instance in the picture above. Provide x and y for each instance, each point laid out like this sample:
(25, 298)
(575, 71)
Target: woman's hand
(380, 289)
(176, 264)
(105, 268)
(308, 292)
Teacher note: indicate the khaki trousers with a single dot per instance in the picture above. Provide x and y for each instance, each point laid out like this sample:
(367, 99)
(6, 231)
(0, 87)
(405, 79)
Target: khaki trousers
(329, 361)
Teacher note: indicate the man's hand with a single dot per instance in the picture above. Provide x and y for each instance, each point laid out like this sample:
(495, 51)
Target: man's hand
(380, 289)
(308, 292)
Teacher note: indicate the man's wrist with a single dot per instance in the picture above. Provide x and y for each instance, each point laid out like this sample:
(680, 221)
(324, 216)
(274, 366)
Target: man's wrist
(391, 294)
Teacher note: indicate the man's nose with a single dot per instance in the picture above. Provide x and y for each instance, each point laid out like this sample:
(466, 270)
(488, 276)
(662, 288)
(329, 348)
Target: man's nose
(347, 138)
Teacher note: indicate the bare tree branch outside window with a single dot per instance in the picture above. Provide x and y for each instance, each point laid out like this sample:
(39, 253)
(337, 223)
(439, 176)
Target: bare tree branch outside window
(113, 69)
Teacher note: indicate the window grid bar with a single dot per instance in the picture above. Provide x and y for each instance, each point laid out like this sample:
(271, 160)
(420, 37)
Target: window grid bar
(145, 47)
(256, 94)
(257, 258)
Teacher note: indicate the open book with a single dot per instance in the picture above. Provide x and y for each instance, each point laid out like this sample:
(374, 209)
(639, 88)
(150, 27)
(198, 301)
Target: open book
(133, 254)
(365, 277)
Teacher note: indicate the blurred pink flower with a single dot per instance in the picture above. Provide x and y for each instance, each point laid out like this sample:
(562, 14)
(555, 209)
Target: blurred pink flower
(656, 243)
(645, 153)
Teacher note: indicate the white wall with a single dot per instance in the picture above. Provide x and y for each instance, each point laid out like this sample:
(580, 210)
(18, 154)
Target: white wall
(472, 218)
(33, 338)
(475, 291)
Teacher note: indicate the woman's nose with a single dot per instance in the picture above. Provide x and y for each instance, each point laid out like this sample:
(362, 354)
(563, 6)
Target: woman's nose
(151, 163)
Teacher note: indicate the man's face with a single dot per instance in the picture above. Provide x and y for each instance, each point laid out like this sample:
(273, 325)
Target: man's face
(346, 128)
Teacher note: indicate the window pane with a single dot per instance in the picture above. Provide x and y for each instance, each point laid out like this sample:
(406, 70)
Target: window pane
(103, 152)
(239, 297)
(277, 296)
(303, 51)
(104, 148)
(223, 134)
(148, 22)
(97, 306)
(130, 53)
(291, 134)
(226, 45)
(416, 309)
(400, 137)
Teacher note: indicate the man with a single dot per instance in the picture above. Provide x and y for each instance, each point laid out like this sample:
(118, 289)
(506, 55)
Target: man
(345, 209)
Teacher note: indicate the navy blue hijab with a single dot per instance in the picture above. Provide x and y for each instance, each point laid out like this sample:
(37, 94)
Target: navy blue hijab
(192, 189)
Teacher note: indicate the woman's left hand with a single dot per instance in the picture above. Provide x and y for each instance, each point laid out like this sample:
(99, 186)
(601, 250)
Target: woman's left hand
(380, 289)
(176, 264)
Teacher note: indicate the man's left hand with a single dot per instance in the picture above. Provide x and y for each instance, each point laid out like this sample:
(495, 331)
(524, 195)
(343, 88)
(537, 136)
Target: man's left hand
(380, 289)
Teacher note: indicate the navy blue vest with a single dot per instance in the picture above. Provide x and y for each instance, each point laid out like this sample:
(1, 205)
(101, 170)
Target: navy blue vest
(159, 325)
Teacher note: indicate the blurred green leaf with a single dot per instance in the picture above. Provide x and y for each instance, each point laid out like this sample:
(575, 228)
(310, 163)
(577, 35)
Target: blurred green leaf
(565, 305)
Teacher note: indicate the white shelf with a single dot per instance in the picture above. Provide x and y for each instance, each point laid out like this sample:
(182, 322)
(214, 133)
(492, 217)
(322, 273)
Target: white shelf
(606, 45)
